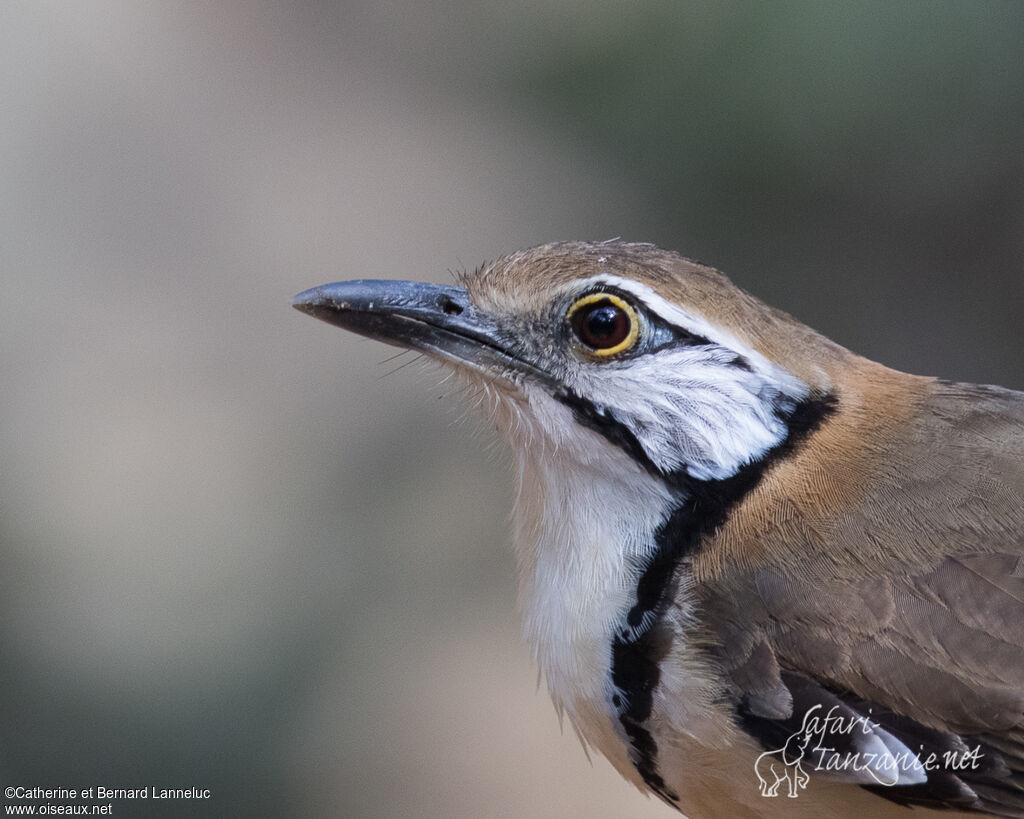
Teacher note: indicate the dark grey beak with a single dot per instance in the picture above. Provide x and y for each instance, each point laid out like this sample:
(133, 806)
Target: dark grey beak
(431, 317)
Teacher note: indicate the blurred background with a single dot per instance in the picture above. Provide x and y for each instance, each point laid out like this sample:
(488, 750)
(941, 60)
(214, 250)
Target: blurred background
(234, 552)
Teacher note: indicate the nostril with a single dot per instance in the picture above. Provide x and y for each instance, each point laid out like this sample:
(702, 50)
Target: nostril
(450, 306)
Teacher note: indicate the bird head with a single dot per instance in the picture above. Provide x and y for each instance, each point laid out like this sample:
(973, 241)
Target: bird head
(659, 356)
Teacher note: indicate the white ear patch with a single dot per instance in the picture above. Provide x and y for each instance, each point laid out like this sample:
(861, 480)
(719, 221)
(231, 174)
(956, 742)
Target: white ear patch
(692, 406)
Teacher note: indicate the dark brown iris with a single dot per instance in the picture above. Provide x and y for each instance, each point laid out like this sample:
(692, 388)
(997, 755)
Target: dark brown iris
(601, 325)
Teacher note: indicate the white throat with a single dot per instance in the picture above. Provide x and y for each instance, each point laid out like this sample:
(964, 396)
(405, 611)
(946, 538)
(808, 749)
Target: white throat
(584, 523)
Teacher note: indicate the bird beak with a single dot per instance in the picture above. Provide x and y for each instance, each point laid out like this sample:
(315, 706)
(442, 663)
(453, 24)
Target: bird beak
(436, 319)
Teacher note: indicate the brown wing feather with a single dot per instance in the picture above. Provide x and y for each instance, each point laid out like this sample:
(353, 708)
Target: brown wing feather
(909, 595)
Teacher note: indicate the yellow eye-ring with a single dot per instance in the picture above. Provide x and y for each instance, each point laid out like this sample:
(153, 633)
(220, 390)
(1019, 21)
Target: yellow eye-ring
(604, 323)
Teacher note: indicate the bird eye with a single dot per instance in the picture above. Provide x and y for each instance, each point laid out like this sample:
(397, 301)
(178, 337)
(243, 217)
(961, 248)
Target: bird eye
(604, 323)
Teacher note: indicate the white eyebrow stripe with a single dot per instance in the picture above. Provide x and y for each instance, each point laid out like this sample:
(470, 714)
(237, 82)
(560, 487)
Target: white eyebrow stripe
(685, 321)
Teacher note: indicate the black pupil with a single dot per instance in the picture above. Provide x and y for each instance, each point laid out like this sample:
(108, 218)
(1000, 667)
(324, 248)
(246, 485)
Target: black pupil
(602, 325)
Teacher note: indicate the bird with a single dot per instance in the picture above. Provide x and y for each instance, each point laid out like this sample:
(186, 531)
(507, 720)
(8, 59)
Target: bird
(761, 574)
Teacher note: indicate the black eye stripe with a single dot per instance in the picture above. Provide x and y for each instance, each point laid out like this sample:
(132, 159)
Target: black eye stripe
(655, 333)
